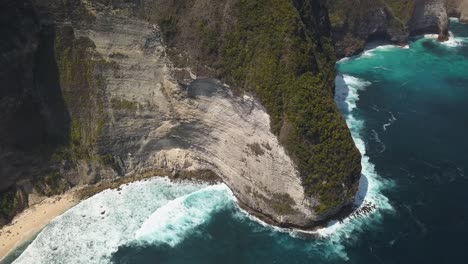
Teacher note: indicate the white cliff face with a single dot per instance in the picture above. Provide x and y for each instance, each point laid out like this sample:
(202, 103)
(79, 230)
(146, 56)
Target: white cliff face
(459, 8)
(430, 16)
(157, 123)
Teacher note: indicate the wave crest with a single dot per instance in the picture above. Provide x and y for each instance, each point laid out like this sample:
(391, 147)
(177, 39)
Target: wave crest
(171, 223)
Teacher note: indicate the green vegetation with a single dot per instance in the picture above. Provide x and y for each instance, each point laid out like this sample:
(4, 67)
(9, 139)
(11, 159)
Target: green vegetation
(401, 9)
(8, 204)
(117, 55)
(50, 184)
(282, 203)
(168, 26)
(83, 86)
(352, 12)
(338, 11)
(356, 22)
(122, 104)
(291, 69)
(209, 37)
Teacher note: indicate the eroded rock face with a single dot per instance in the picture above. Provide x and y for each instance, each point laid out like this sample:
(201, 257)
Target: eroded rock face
(356, 23)
(199, 126)
(130, 111)
(458, 8)
(430, 16)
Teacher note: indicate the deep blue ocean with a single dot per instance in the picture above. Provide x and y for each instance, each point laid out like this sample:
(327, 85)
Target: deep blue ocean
(408, 112)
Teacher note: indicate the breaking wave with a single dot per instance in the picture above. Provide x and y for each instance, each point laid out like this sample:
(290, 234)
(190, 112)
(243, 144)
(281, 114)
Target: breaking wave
(160, 212)
(371, 184)
(94, 229)
(171, 223)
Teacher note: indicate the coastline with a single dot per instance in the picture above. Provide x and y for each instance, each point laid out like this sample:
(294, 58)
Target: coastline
(32, 220)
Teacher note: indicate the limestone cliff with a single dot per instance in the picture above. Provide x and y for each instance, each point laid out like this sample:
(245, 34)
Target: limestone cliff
(429, 16)
(458, 8)
(355, 23)
(243, 89)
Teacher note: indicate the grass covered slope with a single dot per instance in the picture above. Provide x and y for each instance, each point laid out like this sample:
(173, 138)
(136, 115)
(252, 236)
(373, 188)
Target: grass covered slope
(282, 52)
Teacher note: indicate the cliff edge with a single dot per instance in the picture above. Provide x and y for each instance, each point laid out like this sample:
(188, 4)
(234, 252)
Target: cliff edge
(240, 89)
(355, 23)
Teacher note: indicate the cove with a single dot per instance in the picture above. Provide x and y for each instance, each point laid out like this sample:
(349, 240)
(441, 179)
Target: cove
(407, 109)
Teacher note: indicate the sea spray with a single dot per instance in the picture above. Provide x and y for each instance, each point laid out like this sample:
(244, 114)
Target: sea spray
(171, 223)
(160, 212)
(371, 184)
(94, 229)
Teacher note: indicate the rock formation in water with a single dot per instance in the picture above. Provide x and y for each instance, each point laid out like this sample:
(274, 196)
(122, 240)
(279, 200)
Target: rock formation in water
(429, 16)
(103, 89)
(458, 8)
(355, 23)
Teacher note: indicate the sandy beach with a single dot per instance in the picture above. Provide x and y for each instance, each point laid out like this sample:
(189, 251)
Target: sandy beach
(33, 220)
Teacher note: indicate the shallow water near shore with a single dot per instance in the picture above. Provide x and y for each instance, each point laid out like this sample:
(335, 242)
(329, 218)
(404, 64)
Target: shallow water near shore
(408, 113)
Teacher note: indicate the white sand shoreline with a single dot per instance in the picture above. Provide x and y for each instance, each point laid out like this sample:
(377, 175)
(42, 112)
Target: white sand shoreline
(32, 220)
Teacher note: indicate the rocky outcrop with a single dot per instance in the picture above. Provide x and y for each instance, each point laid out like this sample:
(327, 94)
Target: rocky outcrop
(458, 8)
(430, 16)
(356, 23)
(157, 123)
(301, 77)
(170, 86)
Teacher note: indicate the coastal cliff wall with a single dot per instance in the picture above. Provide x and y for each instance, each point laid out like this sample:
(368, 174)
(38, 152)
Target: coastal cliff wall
(355, 23)
(185, 88)
(458, 8)
(429, 16)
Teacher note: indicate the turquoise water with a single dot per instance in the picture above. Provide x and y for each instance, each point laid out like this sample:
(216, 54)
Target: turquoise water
(408, 112)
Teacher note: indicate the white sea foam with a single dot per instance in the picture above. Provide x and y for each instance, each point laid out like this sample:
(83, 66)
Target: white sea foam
(347, 91)
(452, 42)
(161, 212)
(94, 229)
(377, 139)
(431, 36)
(391, 120)
(173, 222)
(371, 49)
(370, 184)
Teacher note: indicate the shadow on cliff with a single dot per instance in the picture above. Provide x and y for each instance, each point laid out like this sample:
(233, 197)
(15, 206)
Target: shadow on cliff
(47, 83)
(34, 121)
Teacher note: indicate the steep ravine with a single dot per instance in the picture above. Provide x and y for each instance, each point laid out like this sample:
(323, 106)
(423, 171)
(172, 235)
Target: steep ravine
(177, 87)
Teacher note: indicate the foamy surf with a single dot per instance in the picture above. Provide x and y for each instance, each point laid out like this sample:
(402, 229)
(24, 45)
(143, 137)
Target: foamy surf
(159, 212)
(370, 187)
(371, 184)
(372, 49)
(452, 42)
(171, 223)
(94, 229)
